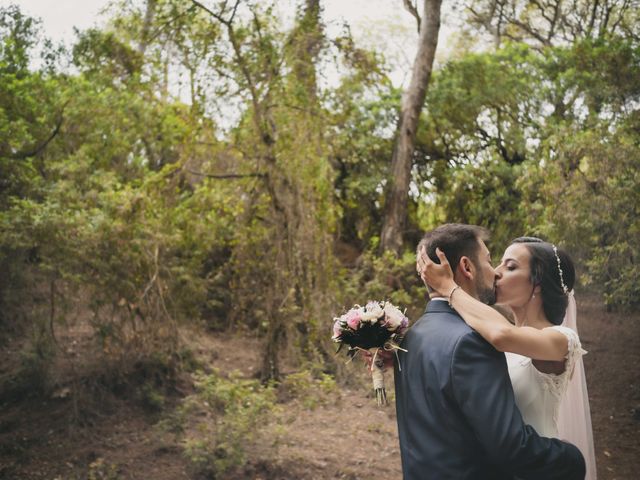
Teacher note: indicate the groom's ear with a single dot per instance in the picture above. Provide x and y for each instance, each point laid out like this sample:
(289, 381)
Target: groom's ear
(466, 267)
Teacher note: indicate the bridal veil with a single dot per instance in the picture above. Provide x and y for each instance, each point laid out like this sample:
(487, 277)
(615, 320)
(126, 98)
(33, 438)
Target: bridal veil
(574, 418)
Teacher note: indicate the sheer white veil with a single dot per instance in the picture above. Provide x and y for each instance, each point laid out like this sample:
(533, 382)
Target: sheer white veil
(574, 417)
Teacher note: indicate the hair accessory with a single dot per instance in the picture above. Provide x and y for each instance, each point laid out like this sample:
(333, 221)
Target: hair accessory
(564, 286)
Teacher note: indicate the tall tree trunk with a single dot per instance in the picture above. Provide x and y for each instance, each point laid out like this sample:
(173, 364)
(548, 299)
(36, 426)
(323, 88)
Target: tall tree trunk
(146, 26)
(304, 45)
(306, 42)
(277, 187)
(307, 39)
(398, 188)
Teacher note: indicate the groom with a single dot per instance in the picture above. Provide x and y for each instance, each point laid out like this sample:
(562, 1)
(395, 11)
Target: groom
(457, 417)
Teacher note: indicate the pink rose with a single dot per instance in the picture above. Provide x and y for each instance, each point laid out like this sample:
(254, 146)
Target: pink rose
(353, 318)
(337, 328)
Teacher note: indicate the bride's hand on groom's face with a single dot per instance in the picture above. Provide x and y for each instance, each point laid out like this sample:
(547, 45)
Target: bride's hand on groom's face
(437, 276)
(421, 259)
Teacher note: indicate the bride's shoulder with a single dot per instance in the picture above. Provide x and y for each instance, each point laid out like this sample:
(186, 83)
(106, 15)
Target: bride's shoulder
(574, 347)
(571, 334)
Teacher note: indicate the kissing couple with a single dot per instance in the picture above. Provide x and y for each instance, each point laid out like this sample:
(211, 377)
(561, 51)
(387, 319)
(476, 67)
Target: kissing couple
(479, 397)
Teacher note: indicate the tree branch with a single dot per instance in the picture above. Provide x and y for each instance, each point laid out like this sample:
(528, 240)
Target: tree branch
(411, 8)
(621, 13)
(530, 31)
(36, 150)
(267, 136)
(217, 16)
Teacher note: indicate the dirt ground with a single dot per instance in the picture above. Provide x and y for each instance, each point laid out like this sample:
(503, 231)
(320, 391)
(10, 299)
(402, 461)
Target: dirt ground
(348, 437)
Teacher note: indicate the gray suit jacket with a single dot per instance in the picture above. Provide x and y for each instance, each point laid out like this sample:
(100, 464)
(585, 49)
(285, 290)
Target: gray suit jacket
(457, 417)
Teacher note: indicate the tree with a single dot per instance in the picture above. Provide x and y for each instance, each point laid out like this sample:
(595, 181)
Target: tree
(395, 215)
(553, 22)
(281, 134)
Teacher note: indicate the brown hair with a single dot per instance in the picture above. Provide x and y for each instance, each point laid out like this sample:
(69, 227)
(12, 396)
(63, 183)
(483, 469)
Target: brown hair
(456, 240)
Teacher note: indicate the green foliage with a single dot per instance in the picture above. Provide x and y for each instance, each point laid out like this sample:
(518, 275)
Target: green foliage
(19, 34)
(516, 140)
(362, 148)
(235, 412)
(309, 388)
(151, 397)
(385, 277)
(596, 184)
(489, 195)
(221, 204)
(102, 205)
(98, 52)
(585, 191)
(481, 107)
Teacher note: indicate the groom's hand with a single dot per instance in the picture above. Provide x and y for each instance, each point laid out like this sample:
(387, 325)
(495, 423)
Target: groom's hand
(383, 355)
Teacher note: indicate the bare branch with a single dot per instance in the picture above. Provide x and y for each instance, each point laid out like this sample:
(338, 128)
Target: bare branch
(621, 12)
(217, 16)
(36, 150)
(169, 23)
(242, 63)
(530, 31)
(411, 8)
(235, 9)
(552, 23)
(542, 8)
(592, 19)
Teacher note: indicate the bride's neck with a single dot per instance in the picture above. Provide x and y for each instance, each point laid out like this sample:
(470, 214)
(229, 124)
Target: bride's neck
(531, 315)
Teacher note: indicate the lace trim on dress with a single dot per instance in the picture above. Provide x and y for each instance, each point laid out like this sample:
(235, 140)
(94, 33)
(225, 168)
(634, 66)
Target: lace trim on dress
(557, 384)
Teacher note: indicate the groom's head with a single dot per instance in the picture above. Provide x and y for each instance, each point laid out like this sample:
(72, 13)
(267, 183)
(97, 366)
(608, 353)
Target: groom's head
(468, 256)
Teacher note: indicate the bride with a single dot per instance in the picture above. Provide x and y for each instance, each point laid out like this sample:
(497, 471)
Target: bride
(544, 356)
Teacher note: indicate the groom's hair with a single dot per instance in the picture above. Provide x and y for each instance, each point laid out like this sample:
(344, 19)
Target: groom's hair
(456, 240)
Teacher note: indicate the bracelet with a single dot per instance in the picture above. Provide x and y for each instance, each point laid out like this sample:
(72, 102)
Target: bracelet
(450, 294)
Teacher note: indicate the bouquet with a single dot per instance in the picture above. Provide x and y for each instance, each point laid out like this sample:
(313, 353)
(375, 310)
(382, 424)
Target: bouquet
(377, 325)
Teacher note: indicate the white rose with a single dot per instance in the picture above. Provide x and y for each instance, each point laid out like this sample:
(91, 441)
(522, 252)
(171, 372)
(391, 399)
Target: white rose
(371, 312)
(394, 316)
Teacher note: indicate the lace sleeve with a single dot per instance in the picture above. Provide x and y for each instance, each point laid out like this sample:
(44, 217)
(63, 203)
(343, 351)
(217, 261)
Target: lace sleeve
(575, 350)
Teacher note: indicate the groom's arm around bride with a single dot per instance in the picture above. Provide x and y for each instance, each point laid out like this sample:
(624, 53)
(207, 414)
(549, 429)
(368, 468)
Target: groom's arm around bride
(482, 387)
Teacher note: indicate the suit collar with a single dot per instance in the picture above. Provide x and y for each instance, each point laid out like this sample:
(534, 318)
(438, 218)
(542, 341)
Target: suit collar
(439, 306)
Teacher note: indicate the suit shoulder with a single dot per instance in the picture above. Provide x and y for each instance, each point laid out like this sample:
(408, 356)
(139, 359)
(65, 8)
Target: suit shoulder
(472, 343)
(449, 322)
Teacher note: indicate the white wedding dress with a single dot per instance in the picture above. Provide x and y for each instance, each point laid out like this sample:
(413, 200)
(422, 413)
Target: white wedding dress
(539, 396)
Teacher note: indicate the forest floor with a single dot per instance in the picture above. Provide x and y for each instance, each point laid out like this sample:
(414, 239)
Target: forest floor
(346, 436)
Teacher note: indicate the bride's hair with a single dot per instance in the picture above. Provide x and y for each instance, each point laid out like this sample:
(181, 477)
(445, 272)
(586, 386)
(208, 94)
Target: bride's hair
(556, 275)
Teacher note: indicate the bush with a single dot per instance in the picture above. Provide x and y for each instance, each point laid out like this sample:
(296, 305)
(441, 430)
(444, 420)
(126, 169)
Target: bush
(311, 390)
(233, 414)
(384, 277)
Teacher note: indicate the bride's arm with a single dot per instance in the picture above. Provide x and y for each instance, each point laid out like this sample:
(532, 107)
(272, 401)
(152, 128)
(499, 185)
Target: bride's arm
(545, 344)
